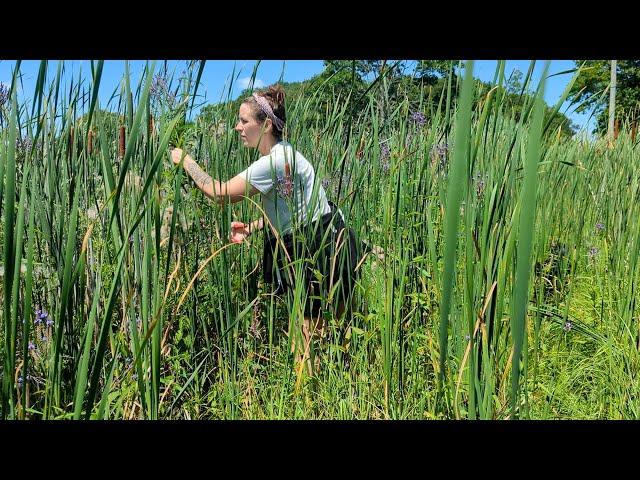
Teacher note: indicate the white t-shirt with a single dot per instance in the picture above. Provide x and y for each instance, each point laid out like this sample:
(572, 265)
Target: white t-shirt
(287, 203)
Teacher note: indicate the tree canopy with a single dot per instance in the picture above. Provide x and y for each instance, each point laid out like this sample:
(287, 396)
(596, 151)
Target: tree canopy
(418, 84)
(590, 90)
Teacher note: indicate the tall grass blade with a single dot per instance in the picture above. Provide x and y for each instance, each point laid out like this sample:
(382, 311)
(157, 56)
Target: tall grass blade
(525, 241)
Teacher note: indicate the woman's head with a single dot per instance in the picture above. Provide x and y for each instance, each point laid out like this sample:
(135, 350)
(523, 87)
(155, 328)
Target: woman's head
(262, 114)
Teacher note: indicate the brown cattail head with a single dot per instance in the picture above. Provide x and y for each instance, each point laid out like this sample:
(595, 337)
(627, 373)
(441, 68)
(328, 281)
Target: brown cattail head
(151, 125)
(360, 151)
(634, 127)
(90, 142)
(121, 138)
(616, 128)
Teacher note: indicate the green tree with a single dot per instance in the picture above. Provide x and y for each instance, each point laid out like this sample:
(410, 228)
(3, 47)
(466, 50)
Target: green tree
(431, 71)
(589, 88)
(515, 99)
(419, 86)
(345, 79)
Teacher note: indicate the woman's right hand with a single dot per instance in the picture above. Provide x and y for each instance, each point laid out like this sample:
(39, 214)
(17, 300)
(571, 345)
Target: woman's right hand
(239, 231)
(177, 154)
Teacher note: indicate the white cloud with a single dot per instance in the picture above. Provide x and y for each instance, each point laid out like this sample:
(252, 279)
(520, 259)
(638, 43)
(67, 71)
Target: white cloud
(244, 82)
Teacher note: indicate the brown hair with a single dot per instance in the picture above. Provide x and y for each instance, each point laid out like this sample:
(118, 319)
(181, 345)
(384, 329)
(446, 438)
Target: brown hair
(273, 94)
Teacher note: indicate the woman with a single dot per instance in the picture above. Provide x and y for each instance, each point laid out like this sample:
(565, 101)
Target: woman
(302, 224)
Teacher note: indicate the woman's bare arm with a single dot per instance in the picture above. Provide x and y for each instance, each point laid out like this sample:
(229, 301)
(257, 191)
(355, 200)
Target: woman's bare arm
(233, 191)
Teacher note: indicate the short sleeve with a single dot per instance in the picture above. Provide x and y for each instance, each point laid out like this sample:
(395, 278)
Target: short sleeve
(261, 174)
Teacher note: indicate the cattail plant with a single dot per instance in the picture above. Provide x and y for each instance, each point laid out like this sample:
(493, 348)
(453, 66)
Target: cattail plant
(121, 141)
(90, 142)
(151, 131)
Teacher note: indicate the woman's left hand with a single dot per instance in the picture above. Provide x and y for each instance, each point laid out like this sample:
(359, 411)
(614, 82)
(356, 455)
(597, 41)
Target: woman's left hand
(239, 231)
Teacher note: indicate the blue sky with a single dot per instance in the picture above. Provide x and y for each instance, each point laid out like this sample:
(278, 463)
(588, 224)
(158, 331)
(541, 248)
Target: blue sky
(217, 75)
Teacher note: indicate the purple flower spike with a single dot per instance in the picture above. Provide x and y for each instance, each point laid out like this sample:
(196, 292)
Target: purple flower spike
(480, 184)
(385, 151)
(40, 315)
(284, 187)
(4, 94)
(159, 90)
(24, 145)
(438, 155)
(418, 118)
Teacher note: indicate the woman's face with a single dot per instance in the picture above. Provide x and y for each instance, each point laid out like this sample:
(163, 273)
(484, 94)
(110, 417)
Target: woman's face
(248, 127)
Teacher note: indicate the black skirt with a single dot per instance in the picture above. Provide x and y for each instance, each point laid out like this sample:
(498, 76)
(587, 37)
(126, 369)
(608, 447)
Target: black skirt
(326, 252)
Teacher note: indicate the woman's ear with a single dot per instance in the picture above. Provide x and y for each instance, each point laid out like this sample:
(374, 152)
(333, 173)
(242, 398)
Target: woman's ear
(268, 126)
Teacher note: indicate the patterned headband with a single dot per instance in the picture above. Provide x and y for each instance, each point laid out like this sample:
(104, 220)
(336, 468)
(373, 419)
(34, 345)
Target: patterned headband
(266, 108)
